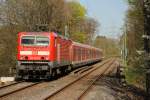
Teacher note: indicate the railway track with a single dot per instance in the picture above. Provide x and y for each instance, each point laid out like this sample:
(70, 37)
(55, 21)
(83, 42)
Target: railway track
(82, 70)
(8, 90)
(65, 91)
(106, 71)
(85, 70)
(11, 84)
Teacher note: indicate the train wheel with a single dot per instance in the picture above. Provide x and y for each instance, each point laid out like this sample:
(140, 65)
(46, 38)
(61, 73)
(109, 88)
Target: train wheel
(54, 73)
(18, 78)
(69, 69)
(63, 70)
(49, 75)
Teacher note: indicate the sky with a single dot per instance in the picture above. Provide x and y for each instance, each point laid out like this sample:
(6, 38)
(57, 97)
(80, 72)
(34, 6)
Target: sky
(109, 13)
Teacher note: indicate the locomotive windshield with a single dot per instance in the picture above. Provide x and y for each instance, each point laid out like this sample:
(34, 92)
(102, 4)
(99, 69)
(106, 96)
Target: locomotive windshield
(35, 40)
(42, 41)
(28, 40)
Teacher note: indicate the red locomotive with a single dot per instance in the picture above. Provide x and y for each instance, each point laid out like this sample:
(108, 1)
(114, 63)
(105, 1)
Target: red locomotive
(42, 55)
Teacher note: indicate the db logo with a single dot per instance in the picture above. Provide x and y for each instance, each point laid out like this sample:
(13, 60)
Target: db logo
(34, 52)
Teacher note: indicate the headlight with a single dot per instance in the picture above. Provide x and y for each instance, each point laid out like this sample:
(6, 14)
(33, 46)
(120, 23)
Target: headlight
(25, 52)
(43, 52)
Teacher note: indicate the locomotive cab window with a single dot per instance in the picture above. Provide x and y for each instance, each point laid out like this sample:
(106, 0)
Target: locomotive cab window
(42, 41)
(35, 40)
(28, 40)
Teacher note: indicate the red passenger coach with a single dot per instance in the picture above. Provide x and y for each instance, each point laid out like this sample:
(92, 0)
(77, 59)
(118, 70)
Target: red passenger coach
(84, 54)
(42, 55)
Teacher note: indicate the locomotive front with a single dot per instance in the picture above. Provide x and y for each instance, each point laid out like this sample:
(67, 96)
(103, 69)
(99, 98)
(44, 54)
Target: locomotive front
(33, 55)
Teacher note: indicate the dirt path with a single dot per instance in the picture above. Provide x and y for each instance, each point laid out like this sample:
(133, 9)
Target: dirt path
(109, 88)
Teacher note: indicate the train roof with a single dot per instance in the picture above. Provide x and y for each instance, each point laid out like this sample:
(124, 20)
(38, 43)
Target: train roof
(34, 33)
(85, 46)
(57, 35)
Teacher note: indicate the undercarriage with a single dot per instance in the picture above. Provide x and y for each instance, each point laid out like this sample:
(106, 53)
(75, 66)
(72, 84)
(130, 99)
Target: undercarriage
(33, 70)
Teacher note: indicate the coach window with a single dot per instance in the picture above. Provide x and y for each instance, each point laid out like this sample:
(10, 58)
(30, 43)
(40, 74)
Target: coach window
(81, 54)
(74, 54)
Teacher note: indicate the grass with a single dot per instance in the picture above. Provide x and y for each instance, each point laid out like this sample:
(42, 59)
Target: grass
(135, 76)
